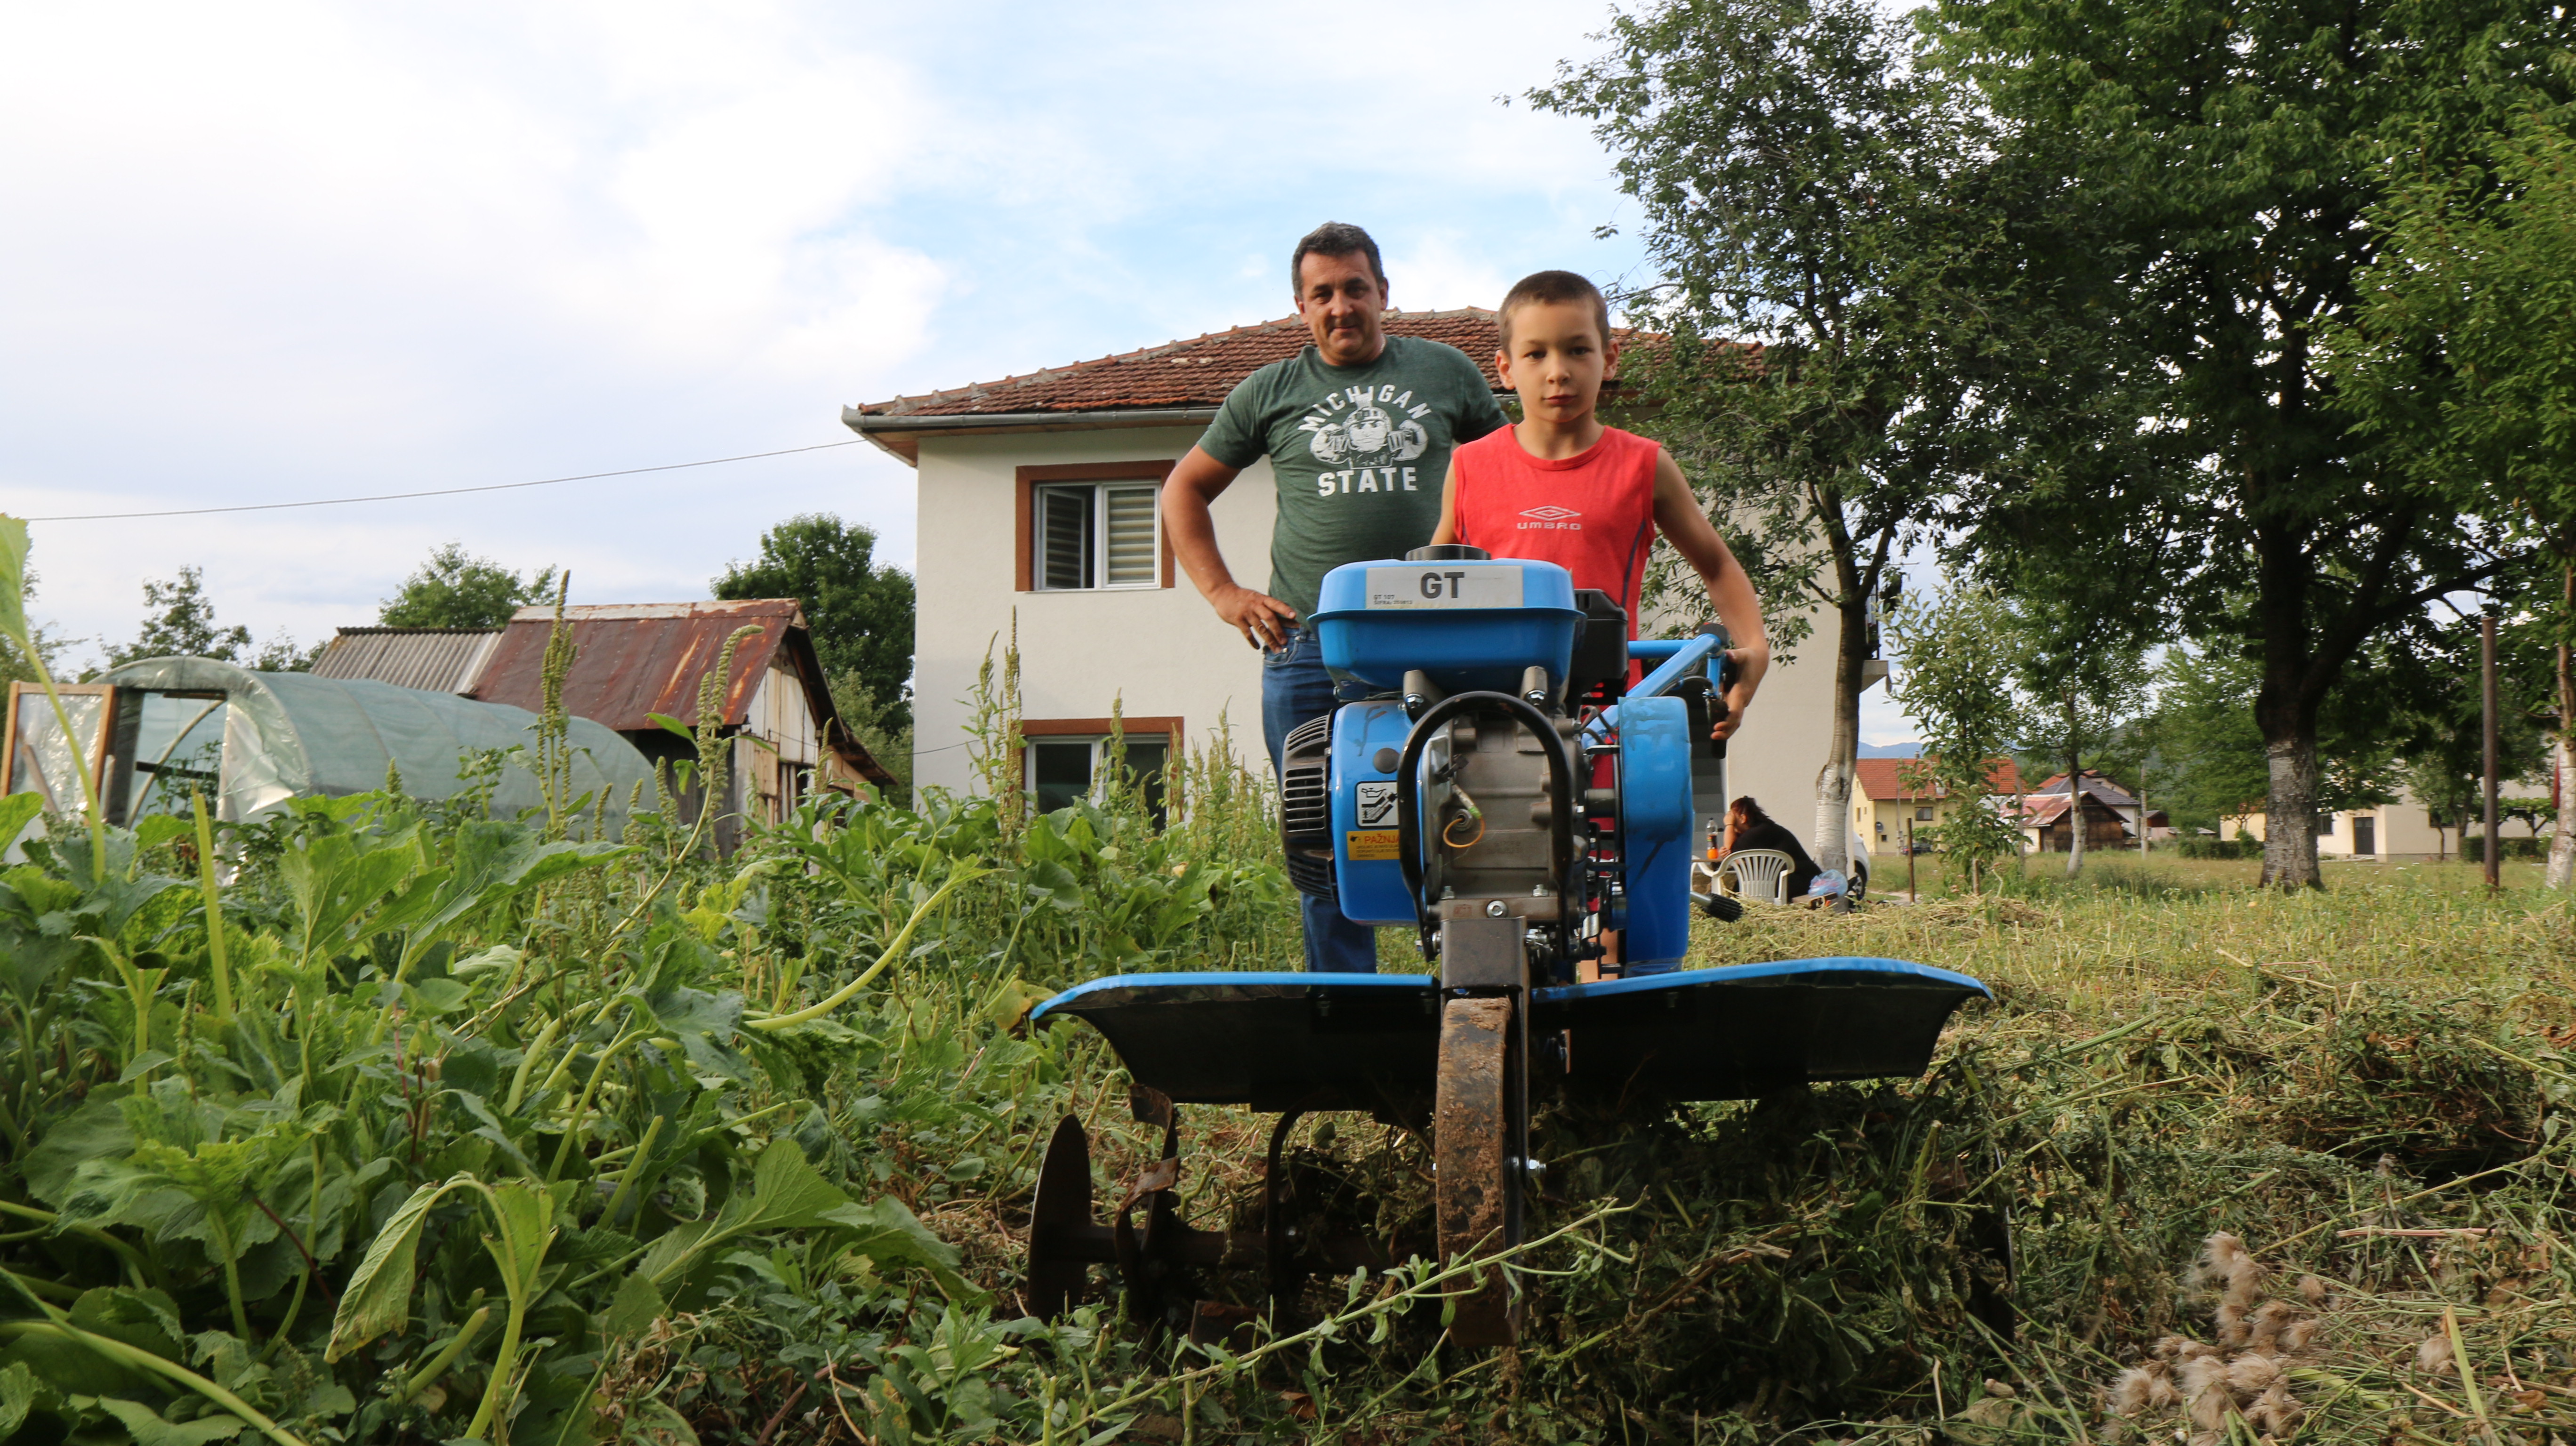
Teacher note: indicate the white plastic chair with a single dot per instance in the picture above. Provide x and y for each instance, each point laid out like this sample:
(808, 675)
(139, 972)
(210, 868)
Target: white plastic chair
(1760, 874)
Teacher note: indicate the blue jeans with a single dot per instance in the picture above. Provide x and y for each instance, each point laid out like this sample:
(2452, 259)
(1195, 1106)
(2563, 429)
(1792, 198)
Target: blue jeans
(1294, 689)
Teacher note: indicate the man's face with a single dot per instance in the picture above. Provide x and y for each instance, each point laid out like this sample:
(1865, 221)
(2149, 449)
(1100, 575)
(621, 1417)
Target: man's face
(1557, 359)
(1341, 301)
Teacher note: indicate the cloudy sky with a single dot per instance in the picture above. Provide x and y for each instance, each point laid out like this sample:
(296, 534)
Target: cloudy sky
(289, 251)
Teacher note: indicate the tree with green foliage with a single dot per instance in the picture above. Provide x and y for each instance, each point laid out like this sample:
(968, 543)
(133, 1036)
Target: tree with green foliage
(455, 589)
(181, 624)
(2463, 356)
(184, 626)
(860, 609)
(2206, 727)
(1957, 653)
(2214, 163)
(1814, 204)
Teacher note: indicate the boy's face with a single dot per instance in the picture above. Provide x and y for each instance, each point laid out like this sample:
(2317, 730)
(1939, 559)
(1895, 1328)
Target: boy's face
(1556, 358)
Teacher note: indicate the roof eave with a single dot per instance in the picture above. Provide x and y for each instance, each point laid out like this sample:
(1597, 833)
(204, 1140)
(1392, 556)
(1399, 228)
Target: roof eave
(900, 436)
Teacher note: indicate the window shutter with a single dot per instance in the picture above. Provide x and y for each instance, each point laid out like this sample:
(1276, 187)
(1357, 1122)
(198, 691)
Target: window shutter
(1128, 518)
(1064, 539)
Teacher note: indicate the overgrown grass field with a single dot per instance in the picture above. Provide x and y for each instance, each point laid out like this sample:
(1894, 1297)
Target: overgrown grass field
(460, 1128)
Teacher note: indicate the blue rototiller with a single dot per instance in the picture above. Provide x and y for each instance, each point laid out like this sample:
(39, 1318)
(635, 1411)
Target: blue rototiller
(1511, 796)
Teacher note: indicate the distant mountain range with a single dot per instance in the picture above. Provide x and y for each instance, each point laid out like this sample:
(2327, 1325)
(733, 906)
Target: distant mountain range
(1907, 749)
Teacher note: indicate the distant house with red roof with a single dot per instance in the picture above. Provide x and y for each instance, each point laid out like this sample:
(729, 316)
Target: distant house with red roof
(1890, 815)
(1038, 511)
(2111, 814)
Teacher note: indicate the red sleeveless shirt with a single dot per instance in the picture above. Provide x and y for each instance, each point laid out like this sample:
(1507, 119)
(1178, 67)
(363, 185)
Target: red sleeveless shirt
(1592, 514)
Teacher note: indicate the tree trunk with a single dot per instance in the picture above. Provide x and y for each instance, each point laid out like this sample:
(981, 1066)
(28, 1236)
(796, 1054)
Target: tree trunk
(2285, 710)
(1834, 780)
(2290, 814)
(2562, 844)
(2074, 792)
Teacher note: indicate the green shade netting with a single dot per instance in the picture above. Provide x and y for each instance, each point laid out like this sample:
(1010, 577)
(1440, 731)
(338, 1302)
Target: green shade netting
(285, 734)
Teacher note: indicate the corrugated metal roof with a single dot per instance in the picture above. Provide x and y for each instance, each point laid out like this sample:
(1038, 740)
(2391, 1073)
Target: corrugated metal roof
(438, 660)
(636, 659)
(632, 660)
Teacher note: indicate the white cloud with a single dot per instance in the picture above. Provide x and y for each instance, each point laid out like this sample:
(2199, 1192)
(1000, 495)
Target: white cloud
(299, 250)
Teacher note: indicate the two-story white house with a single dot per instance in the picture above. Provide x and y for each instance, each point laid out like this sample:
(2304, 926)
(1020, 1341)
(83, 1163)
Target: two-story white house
(1038, 497)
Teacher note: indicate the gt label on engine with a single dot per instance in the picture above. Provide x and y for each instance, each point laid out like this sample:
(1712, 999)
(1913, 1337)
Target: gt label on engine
(1453, 586)
(1371, 845)
(1376, 804)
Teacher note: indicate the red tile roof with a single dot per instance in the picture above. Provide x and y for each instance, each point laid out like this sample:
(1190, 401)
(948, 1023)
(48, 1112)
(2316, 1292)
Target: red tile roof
(1193, 373)
(1882, 779)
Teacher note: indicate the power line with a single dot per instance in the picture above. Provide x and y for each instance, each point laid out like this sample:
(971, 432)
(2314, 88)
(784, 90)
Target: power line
(448, 491)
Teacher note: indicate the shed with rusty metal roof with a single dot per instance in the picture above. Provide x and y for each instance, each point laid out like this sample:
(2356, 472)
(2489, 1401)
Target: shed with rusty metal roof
(632, 661)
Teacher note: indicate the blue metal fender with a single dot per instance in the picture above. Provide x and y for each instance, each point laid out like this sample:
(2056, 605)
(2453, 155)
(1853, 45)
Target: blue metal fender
(1654, 830)
(1366, 874)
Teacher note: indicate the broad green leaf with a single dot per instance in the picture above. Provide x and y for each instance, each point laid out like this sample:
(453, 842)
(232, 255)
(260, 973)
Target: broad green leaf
(17, 1396)
(96, 1131)
(149, 834)
(889, 1234)
(673, 724)
(634, 1310)
(785, 1194)
(13, 579)
(145, 1319)
(433, 997)
(379, 1295)
(527, 1226)
(149, 1429)
(17, 810)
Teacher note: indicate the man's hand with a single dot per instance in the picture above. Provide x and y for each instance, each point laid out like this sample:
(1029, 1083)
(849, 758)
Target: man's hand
(1262, 619)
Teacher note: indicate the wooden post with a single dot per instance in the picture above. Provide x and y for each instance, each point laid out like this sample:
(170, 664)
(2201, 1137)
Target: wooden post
(2487, 700)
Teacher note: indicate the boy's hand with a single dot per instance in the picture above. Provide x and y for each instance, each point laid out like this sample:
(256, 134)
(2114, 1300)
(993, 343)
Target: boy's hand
(1738, 698)
(1262, 619)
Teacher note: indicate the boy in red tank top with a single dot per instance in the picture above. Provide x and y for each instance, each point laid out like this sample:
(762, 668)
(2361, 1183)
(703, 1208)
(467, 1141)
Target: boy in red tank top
(1562, 487)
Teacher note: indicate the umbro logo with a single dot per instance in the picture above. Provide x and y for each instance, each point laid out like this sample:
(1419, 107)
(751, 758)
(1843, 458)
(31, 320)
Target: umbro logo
(1550, 514)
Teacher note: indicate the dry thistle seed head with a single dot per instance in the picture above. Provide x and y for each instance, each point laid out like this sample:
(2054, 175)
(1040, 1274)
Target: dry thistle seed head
(2297, 1335)
(2251, 1375)
(2201, 1376)
(2313, 1291)
(2161, 1394)
(2218, 1257)
(2434, 1356)
(2129, 1393)
(2232, 1329)
(2270, 1320)
(2210, 1408)
(2276, 1413)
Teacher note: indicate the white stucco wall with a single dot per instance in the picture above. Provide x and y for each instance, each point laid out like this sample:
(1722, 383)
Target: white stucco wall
(1161, 652)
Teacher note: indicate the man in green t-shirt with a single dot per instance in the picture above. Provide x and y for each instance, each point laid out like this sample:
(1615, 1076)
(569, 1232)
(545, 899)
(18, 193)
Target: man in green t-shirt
(1358, 429)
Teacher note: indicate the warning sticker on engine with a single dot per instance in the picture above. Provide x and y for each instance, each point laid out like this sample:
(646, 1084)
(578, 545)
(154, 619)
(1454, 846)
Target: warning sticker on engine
(1450, 585)
(1376, 804)
(1371, 845)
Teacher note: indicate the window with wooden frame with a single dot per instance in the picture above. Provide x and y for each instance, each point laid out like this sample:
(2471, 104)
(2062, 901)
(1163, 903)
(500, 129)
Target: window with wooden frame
(41, 759)
(1092, 527)
(1064, 759)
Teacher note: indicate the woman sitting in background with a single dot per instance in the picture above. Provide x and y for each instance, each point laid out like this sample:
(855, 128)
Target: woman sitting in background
(1748, 827)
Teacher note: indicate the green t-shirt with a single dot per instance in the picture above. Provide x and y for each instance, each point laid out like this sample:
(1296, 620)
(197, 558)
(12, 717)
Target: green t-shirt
(1359, 452)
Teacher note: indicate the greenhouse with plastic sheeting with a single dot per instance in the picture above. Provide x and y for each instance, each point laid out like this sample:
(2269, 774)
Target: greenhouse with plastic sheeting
(252, 740)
